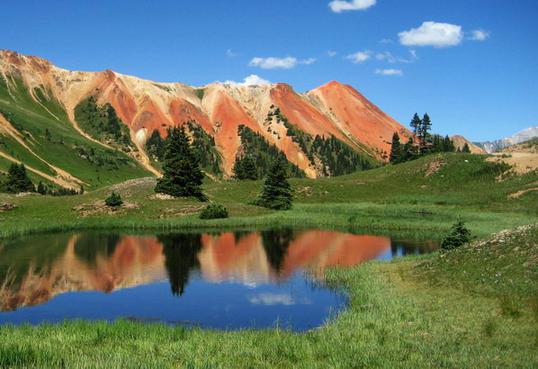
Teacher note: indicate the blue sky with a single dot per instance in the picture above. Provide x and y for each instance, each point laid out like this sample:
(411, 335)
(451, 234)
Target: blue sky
(404, 55)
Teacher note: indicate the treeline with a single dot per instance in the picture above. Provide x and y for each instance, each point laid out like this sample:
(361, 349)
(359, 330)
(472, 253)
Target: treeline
(336, 157)
(102, 123)
(202, 143)
(17, 181)
(256, 150)
(426, 143)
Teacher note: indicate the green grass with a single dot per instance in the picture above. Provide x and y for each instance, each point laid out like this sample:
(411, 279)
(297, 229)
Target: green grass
(475, 307)
(97, 166)
(398, 317)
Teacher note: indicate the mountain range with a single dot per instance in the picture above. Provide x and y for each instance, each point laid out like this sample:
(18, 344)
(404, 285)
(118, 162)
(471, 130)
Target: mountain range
(499, 145)
(73, 128)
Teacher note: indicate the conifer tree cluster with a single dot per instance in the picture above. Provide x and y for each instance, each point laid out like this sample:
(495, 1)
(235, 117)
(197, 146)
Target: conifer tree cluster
(182, 174)
(17, 180)
(276, 192)
(425, 142)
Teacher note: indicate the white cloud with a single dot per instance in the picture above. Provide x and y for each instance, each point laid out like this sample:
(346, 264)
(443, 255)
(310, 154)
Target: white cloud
(360, 56)
(288, 62)
(272, 299)
(230, 53)
(479, 35)
(432, 34)
(390, 58)
(386, 41)
(331, 53)
(389, 72)
(339, 6)
(252, 80)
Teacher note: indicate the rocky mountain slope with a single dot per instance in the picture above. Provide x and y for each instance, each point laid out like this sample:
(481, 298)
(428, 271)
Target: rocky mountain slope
(43, 106)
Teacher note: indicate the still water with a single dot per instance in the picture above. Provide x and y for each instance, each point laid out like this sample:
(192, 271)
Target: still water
(224, 280)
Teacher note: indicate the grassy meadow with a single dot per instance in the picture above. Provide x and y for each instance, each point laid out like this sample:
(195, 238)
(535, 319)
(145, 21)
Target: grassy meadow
(474, 307)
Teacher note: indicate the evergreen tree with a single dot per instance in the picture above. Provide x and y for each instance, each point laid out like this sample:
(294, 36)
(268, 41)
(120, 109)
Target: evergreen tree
(410, 151)
(424, 133)
(245, 168)
(449, 144)
(415, 124)
(276, 193)
(155, 145)
(466, 149)
(41, 188)
(396, 149)
(458, 236)
(182, 174)
(17, 180)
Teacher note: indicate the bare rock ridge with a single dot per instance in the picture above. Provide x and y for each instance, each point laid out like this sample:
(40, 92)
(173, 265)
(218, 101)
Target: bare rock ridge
(334, 109)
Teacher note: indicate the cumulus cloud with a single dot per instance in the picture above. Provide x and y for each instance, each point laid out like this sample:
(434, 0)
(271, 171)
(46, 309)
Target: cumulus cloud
(432, 34)
(230, 53)
(331, 53)
(389, 72)
(338, 6)
(252, 80)
(479, 35)
(360, 56)
(271, 62)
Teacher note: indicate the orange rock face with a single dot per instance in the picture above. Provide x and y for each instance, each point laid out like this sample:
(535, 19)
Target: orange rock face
(333, 109)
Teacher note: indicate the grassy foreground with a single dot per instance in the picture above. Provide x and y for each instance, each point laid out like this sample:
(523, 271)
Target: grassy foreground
(476, 307)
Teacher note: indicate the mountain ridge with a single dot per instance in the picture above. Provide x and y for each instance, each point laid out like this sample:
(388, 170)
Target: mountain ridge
(333, 109)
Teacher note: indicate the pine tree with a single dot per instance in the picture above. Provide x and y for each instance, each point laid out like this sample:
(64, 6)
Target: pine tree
(276, 193)
(416, 123)
(466, 148)
(410, 151)
(17, 180)
(424, 133)
(182, 174)
(396, 149)
(449, 144)
(245, 168)
(41, 188)
(155, 145)
(458, 236)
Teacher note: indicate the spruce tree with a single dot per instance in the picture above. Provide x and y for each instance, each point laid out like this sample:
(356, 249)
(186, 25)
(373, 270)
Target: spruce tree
(182, 174)
(396, 149)
(276, 193)
(424, 133)
(449, 145)
(17, 180)
(245, 168)
(466, 149)
(410, 151)
(416, 123)
(41, 188)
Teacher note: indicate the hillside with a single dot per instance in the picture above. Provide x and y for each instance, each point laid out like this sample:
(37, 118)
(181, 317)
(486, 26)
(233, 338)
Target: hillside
(64, 124)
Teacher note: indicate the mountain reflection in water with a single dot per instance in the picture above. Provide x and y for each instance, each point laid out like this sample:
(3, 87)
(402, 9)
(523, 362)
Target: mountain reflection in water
(35, 269)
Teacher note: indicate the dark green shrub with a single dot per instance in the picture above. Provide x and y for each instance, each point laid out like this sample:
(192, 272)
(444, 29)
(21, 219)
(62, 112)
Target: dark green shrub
(214, 211)
(17, 180)
(114, 200)
(458, 236)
